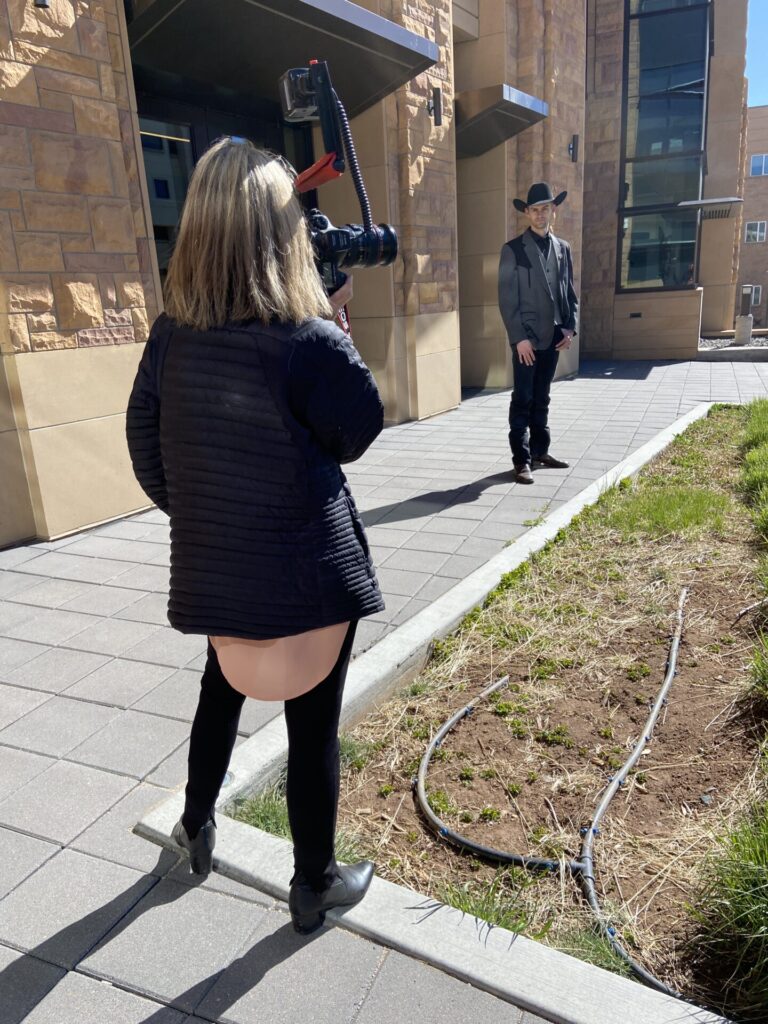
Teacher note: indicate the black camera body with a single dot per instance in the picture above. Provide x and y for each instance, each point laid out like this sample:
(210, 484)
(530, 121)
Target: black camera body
(348, 246)
(307, 95)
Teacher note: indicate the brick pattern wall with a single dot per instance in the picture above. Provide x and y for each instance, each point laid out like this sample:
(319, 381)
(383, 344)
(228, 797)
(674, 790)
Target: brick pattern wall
(77, 265)
(422, 168)
(753, 257)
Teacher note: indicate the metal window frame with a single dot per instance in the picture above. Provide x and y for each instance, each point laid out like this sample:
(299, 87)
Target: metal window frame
(763, 172)
(758, 224)
(634, 211)
(757, 289)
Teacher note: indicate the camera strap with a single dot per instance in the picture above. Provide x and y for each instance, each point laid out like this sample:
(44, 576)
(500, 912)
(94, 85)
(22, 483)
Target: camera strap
(343, 317)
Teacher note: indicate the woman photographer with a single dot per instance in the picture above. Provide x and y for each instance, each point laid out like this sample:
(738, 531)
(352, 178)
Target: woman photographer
(246, 401)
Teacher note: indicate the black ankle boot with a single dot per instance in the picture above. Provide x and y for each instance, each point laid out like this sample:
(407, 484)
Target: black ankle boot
(308, 908)
(200, 848)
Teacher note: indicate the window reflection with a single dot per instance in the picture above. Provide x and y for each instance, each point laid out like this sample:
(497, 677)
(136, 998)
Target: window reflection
(659, 182)
(659, 250)
(168, 160)
(653, 6)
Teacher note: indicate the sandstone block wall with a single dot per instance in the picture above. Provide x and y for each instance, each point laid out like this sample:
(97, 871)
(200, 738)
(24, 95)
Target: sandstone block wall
(753, 257)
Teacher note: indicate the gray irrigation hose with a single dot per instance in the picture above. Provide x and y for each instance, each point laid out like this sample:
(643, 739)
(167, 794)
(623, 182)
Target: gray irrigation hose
(583, 867)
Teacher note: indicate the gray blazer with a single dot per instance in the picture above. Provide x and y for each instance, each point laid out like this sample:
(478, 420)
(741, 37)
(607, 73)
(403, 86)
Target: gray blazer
(525, 300)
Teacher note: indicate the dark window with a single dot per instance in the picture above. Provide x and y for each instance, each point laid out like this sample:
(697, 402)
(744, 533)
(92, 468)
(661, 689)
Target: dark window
(162, 188)
(667, 48)
(659, 250)
(151, 142)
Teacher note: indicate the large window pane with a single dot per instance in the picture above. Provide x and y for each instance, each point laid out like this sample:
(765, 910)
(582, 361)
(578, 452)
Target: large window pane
(668, 51)
(649, 6)
(758, 164)
(659, 182)
(665, 125)
(659, 250)
(168, 160)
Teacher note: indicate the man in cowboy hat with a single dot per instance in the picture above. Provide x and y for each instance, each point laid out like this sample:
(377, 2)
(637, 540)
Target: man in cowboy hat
(539, 307)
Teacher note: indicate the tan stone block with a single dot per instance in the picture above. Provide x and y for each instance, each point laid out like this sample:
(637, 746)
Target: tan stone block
(107, 82)
(10, 199)
(107, 289)
(131, 262)
(112, 23)
(54, 27)
(140, 323)
(105, 336)
(97, 12)
(93, 39)
(122, 95)
(17, 83)
(8, 259)
(93, 261)
(17, 221)
(39, 252)
(96, 117)
(58, 60)
(47, 340)
(76, 243)
(116, 48)
(41, 322)
(130, 291)
(26, 293)
(78, 300)
(55, 100)
(13, 146)
(61, 81)
(118, 318)
(71, 164)
(6, 46)
(50, 211)
(17, 333)
(112, 225)
(119, 173)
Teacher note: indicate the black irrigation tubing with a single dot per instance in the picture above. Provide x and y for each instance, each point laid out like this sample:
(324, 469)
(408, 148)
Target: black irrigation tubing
(583, 868)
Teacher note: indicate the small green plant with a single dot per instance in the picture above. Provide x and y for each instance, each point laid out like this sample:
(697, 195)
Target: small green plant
(532, 776)
(489, 814)
(589, 945)
(354, 754)
(503, 708)
(488, 773)
(606, 732)
(556, 737)
(267, 811)
(517, 727)
(416, 689)
(638, 671)
(386, 790)
(466, 774)
(441, 803)
(466, 817)
(514, 789)
(498, 902)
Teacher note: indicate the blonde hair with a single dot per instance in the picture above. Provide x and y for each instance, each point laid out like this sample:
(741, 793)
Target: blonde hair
(243, 250)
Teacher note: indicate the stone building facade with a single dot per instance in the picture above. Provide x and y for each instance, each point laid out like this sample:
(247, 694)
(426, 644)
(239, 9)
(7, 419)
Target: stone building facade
(753, 255)
(105, 105)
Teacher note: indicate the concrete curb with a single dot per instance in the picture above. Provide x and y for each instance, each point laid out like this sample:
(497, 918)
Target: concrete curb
(743, 354)
(518, 970)
(542, 980)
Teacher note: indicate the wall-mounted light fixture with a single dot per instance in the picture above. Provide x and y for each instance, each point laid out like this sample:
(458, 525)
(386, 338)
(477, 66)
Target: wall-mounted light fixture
(573, 148)
(435, 106)
(42, 3)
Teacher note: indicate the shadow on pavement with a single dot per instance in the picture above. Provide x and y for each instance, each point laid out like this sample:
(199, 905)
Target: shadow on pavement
(433, 501)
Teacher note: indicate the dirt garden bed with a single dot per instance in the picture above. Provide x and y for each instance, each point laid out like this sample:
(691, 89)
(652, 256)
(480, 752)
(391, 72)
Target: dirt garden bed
(583, 632)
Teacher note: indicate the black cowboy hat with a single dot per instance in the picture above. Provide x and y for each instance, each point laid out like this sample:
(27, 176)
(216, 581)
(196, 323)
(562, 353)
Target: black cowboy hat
(539, 193)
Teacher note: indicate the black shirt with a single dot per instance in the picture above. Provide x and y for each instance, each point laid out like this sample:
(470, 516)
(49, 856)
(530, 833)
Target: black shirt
(543, 243)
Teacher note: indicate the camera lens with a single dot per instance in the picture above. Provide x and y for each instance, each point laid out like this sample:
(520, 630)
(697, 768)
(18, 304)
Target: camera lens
(374, 248)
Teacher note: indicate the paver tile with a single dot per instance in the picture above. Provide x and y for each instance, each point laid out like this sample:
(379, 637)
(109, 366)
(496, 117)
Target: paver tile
(56, 669)
(150, 608)
(416, 561)
(18, 767)
(61, 801)
(13, 584)
(150, 578)
(63, 566)
(62, 911)
(16, 702)
(200, 932)
(111, 837)
(81, 1000)
(20, 856)
(51, 593)
(120, 682)
(167, 647)
(110, 636)
(131, 743)
(401, 581)
(12, 557)
(103, 600)
(24, 982)
(57, 726)
(271, 979)
(17, 652)
(40, 625)
(121, 549)
(407, 990)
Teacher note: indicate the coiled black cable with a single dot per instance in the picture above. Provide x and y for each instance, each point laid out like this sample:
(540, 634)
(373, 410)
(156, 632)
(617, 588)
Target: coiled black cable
(583, 867)
(354, 166)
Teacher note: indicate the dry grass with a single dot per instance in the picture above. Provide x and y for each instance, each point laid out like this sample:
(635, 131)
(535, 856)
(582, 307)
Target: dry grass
(589, 621)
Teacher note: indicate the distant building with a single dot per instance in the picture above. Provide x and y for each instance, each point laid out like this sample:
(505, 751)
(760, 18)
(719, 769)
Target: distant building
(753, 257)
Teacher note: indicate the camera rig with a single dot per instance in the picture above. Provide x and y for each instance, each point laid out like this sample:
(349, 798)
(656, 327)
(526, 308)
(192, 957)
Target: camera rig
(307, 94)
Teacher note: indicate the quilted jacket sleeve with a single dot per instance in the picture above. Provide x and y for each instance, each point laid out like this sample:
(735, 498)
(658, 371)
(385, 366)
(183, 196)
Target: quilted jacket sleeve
(333, 391)
(142, 425)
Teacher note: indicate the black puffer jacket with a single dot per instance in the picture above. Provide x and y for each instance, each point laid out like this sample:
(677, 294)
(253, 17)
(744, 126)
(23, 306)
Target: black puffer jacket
(237, 433)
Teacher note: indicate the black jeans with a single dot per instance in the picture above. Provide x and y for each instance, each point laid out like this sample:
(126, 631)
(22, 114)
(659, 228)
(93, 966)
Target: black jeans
(312, 789)
(529, 407)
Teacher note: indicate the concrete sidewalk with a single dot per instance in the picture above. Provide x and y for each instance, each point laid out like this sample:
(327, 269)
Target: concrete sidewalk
(97, 693)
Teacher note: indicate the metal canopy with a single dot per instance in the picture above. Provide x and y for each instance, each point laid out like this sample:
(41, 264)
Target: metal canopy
(487, 117)
(245, 45)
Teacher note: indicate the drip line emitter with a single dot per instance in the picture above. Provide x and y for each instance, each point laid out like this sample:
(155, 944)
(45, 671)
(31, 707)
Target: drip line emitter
(583, 867)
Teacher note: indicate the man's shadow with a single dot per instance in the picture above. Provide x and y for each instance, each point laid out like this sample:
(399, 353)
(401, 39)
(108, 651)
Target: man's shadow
(24, 983)
(429, 503)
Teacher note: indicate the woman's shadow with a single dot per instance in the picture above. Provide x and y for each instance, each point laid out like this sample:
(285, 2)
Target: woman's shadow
(431, 502)
(25, 982)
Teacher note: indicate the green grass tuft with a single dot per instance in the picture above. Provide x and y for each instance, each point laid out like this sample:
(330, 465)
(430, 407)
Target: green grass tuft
(670, 510)
(498, 902)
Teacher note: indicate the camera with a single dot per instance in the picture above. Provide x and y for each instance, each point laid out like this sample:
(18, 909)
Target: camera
(349, 246)
(307, 94)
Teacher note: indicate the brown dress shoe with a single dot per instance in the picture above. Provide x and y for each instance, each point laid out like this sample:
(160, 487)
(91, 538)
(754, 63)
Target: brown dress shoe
(550, 462)
(523, 474)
